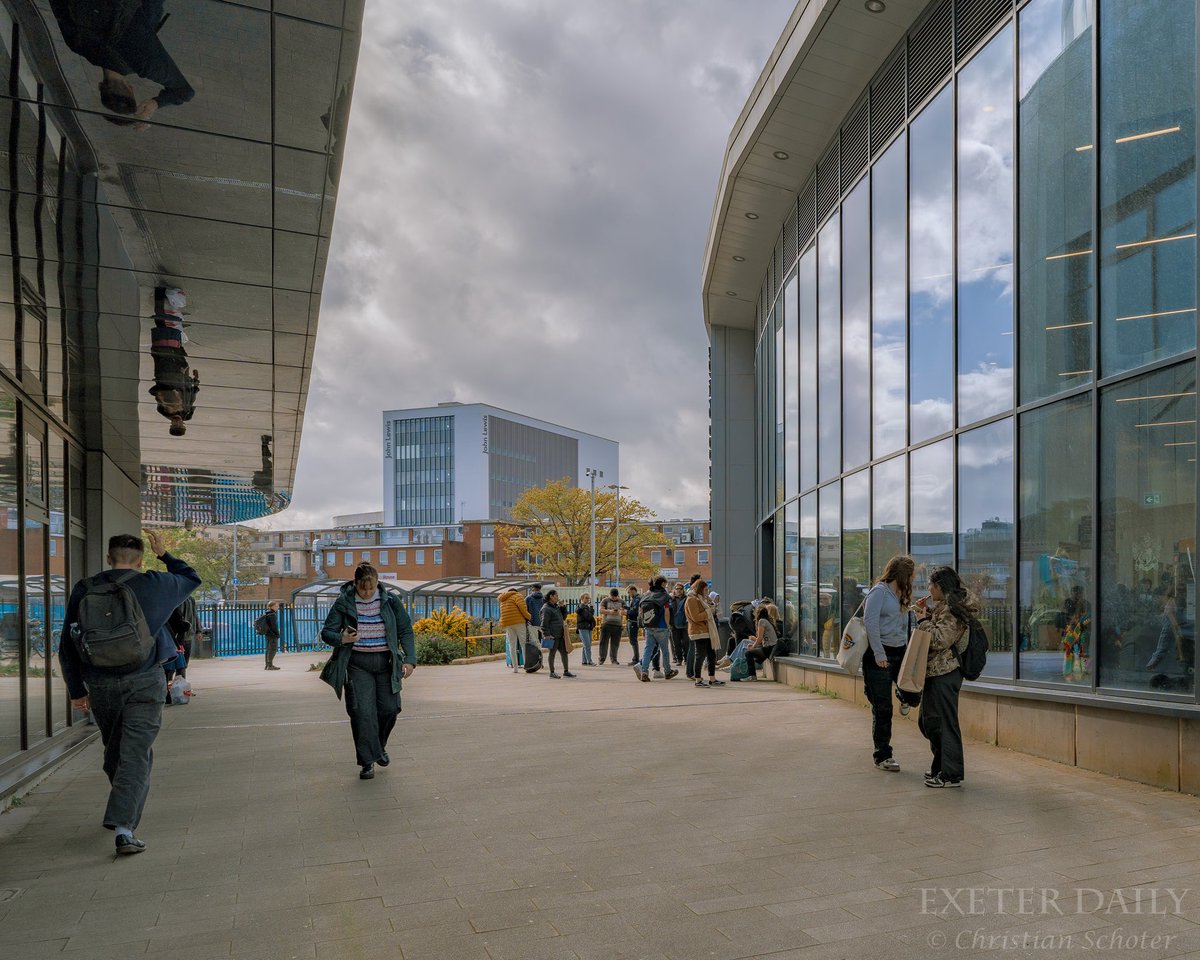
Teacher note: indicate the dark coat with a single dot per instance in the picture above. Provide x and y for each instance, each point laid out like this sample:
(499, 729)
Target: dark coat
(553, 624)
(396, 623)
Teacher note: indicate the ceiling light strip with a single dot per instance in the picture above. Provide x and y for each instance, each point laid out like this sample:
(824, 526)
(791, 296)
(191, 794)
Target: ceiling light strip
(1147, 135)
(1146, 243)
(1160, 313)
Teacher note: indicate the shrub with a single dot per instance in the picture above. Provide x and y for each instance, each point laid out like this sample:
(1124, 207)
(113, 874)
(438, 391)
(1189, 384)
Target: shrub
(434, 649)
(454, 623)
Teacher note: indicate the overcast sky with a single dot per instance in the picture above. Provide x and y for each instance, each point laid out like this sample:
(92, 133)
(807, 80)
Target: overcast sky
(521, 218)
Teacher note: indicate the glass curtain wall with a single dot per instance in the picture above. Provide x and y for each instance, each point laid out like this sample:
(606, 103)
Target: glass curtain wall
(1071, 515)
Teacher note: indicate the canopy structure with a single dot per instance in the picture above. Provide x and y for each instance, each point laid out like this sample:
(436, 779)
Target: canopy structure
(476, 596)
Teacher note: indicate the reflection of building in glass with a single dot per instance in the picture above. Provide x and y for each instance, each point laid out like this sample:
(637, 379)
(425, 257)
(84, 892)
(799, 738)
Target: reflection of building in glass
(100, 431)
(1021, 399)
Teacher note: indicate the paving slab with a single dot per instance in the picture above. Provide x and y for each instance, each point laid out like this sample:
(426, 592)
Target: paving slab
(594, 819)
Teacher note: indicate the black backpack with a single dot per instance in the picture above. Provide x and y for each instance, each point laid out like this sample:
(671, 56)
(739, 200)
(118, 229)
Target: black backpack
(260, 625)
(648, 610)
(974, 658)
(111, 630)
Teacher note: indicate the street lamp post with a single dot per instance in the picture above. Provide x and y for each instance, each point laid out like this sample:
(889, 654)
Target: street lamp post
(617, 565)
(592, 473)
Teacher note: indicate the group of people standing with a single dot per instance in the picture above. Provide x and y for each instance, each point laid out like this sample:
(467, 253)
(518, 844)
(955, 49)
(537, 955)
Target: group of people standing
(890, 616)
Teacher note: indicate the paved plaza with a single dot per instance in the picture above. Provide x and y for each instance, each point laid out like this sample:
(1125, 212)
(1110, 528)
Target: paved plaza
(525, 818)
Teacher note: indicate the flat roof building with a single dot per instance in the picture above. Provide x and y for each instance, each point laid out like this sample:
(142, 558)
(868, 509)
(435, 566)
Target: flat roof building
(459, 461)
(950, 286)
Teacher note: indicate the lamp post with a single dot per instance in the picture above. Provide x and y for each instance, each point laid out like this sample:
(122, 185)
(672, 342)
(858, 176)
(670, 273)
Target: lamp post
(618, 488)
(592, 473)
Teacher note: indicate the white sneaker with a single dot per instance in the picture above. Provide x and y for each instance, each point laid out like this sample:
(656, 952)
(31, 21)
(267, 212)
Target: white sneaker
(658, 674)
(890, 765)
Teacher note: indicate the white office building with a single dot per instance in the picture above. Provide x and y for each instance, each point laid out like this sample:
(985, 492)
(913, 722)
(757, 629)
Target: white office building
(456, 461)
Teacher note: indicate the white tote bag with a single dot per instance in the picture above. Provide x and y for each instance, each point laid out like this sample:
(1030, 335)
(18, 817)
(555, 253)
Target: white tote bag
(854, 642)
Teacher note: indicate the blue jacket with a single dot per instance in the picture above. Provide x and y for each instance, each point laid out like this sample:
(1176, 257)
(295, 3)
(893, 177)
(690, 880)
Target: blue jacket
(534, 603)
(157, 593)
(678, 617)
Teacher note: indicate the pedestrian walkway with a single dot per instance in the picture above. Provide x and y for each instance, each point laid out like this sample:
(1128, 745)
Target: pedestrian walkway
(524, 818)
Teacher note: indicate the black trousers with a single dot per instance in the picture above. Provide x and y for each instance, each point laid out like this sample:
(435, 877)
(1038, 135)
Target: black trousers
(877, 685)
(370, 703)
(756, 656)
(633, 638)
(679, 641)
(560, 647)
(939, 723)
(610, 640)
(272, 649)
(702, 650)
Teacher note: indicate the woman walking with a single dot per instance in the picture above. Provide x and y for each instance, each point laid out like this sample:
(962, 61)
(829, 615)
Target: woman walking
(373, 651)
(947, 614)
(554, 633)
(585, 623)
(702, 631)
(886, 617)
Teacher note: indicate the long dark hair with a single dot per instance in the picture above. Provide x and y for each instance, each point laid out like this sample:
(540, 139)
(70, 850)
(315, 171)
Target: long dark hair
(952, 588)
(899, 570)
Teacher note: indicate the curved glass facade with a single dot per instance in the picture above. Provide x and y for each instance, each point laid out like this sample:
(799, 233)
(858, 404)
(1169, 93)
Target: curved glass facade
(983, 353)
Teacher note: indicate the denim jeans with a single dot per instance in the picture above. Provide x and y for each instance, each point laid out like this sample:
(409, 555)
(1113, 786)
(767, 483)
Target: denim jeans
(585, 637)
(370, 703)
(128, 710)
(657, 639)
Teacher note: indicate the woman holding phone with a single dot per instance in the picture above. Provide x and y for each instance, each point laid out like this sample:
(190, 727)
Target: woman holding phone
(373, 651)
(947, 614)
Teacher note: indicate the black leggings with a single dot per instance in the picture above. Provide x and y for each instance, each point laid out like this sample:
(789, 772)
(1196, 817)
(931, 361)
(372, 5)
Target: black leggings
(704, 651)
(560, 647)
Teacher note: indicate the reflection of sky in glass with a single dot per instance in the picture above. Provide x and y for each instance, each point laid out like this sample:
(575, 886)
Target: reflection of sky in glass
(808, 572)
(808, 369)
(1056, 203)
(931, 268)
(931, 492)
(985, 231)
(829, 250)
(856, 327)
(791, 580)
(779, 398)
(888, 322)
(791, 422)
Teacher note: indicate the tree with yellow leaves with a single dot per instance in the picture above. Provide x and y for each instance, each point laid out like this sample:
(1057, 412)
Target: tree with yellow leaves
(551, 529)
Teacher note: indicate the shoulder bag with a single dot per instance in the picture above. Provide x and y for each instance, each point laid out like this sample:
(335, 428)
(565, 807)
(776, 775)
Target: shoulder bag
(854, 642)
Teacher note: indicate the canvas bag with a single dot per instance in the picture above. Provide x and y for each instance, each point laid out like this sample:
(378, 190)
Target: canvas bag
(916, 660)
(854, 642)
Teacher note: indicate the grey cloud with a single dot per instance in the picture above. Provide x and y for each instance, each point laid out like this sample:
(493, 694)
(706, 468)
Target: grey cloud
(521, 219)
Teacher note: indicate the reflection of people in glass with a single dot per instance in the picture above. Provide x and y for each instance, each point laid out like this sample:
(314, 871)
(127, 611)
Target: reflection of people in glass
(175, 385)
(121, 37)
(1168, 631)
(1076, 621)
(263, 479)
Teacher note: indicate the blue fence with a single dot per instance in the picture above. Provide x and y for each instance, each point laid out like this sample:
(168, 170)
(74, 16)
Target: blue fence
(230, 629)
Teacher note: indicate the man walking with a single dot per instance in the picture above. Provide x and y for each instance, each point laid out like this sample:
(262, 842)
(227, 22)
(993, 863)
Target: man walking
(653, 614)
(270, 630)
(113, 646)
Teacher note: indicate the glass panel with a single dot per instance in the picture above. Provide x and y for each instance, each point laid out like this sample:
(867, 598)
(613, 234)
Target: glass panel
(777, 440)
(35, 631)
(1055, 558)
(1056, 203)
(809, 623)
(889, 230)
(889, 521)
(985, 231)
(57, 463)
(8, 332)
(856, 327)
(1147, 181)
(780, 559)
(830, 568)
(931, 270)
(35, 469)
(856, 542)
(931, 492)
(10, 622)
(791, 390)
(791, 583)
(985, 534)
(808, 369)
(1148, 543)
(829, 324)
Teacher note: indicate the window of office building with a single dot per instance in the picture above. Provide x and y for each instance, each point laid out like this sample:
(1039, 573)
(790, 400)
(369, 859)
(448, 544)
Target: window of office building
(856, 327)
(1147, 532)
(889, 525)
(401, 557)
(829, 567)
(889, 315)
(702, 557)
(791, 389)
(348, 558)
(424, 470)
(680, 558)
(437, 556)
(10, 540)
(931, 509)
(656, 557)
(383, 558)
(809, 617)
(791, 577)
(807, 275)
(856, 543)
(829, 350)
(419, 556)
(287, 563)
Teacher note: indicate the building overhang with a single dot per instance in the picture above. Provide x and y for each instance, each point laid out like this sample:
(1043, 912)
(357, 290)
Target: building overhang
(819, 68)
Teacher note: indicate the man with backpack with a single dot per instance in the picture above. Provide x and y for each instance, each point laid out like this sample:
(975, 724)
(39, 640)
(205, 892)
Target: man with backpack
(112, 650)
(268, 626)
(652, 614)
(633, 606)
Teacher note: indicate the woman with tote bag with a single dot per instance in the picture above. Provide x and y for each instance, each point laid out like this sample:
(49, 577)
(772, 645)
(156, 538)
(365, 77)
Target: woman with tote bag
(886, 617)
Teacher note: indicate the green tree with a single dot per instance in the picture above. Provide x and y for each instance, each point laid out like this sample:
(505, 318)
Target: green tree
(210, 553)
(550, 534)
